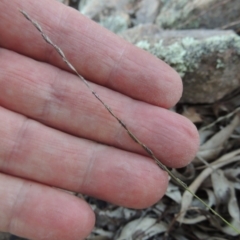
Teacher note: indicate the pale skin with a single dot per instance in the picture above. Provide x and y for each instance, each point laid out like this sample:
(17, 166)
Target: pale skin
(54, 133)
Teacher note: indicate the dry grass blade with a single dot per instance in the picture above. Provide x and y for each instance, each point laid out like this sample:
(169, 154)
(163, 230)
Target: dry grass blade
(147, 149)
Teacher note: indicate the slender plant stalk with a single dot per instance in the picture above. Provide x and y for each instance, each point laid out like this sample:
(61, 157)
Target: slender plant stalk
(146, 148)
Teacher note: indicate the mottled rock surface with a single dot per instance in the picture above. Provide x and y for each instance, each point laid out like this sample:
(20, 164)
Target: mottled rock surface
(189, 14)
(114, 14)
(207, 60)
(147, 12)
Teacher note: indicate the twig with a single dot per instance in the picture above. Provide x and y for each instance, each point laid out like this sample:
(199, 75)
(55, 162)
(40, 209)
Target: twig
(147, 149)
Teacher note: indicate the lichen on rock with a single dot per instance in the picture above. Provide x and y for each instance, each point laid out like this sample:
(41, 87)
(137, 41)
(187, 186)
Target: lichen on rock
(186, 54)
(192, 14)
(208, 65)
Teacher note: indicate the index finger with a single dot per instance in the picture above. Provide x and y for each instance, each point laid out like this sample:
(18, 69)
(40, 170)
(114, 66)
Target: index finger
(99, 55)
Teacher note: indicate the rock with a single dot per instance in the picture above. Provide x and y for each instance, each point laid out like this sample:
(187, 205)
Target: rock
(147, 12)
(207, 60)
(117, 23)
(168, 14)
(66, 2)
(189, 14)
(94, 9)
(113, 15)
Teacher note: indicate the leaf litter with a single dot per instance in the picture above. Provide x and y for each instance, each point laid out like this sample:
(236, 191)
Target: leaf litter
(216, 180)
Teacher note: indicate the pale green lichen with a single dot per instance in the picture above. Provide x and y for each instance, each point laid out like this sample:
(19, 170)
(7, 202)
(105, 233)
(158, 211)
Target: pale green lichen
(173, 12)
(143, 45)
(188, 41)
(186, 55)
(173, 55)
(220, 64)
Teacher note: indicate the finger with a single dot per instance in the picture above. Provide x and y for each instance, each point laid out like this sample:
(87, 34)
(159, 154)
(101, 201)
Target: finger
(34, 151)
(98, 54)
(60, 100)
(35, 211)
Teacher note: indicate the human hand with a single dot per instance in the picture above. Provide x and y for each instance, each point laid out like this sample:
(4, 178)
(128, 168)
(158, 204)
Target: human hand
(55, 133)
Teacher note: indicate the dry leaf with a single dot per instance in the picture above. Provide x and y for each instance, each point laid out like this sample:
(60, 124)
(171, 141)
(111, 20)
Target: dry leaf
(192, 115)
(173, 192)
(142, 229)
(228, 230)
(233, 207)
(185, 174)
(179, 236)
(197, 205)
(103, 233)
(203, 135)
(210, 200)
(221, 186)
(214, 145)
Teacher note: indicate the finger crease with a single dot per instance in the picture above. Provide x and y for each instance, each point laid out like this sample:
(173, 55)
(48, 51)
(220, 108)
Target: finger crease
(14, 211)
(116, 65)
(86, 182)
(20, 135)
